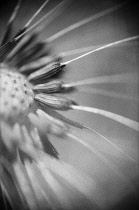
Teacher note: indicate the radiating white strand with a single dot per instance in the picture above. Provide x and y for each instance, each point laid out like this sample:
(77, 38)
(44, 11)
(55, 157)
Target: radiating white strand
(55, 186)
(68, 172)
(42, 19)
(79, 50)
(36, 13)
(40, 184)
(27, 137)
(83, 22)
(75, 178)
(118, 118)
(41, 112)
(101, 157)
(23, 180)
(36, 138)
(6, 190)
(102, 47)
(90, 48)
(34, 179)
(10, 136)
(117, 78)
(14, 12)
(82, 182)
(111, 94)
(17, 47)
(106, 139)
(57, 11)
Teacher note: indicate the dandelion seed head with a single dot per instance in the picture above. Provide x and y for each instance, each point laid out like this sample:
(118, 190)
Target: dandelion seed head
(15, 92)
(38, 168)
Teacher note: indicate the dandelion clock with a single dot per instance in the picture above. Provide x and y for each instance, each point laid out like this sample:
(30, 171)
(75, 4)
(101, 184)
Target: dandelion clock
(68, 105)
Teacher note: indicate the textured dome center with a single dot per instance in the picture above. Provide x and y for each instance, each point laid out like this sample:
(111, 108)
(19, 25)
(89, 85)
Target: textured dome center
(16, 94)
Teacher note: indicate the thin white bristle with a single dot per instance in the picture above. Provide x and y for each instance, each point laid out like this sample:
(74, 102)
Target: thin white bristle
(106, 139)
(82, 142)
(15, 12)
(83, 22)
(103, 47)
(118, 78)
(43, 18)
(9, 27)
(90, 48)
(57, 11)
(36, 13)
(100, 156)
(17, 47)
(109, 93)
(118, 118)
(79, 50)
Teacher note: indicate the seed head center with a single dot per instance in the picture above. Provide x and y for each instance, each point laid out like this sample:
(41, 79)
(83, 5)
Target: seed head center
(16, 94)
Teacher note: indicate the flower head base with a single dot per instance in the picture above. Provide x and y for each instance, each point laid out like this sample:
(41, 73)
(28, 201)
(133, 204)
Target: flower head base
(15, 92)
